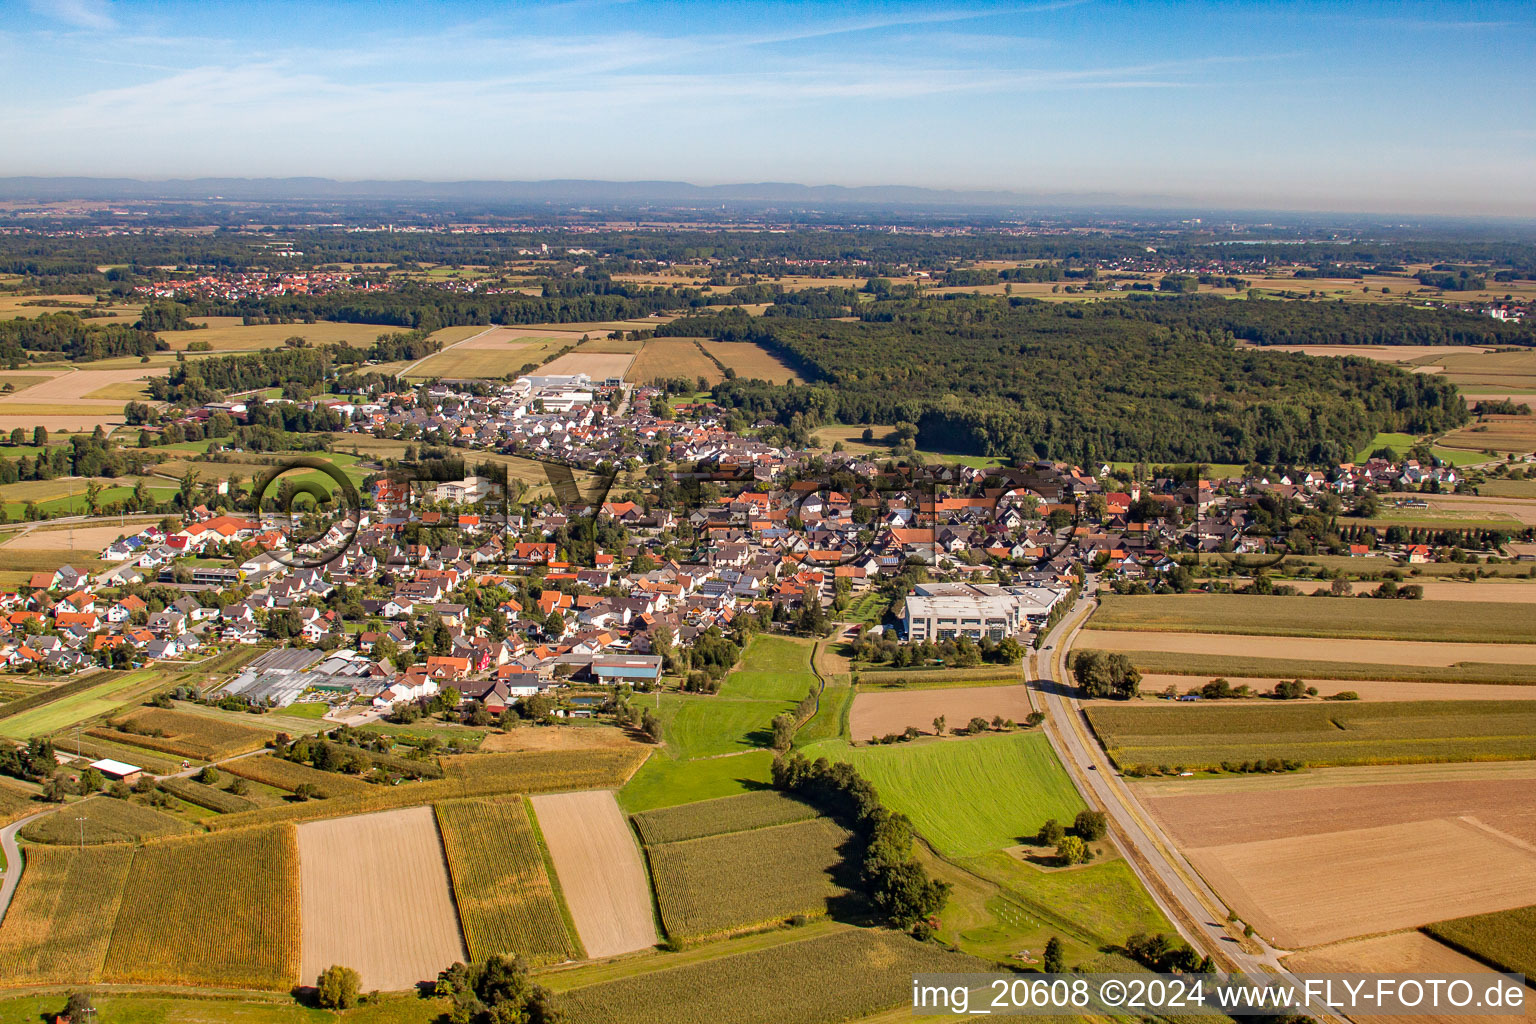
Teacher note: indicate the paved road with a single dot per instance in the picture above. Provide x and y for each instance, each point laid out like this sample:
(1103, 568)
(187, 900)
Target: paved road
(1198, 915)
(13, 864)
(1196, 911)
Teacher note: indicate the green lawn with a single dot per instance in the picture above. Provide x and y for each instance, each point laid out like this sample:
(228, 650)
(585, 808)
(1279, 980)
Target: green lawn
(67, 711)
(968, 796)
(773, 668)
(665, 782)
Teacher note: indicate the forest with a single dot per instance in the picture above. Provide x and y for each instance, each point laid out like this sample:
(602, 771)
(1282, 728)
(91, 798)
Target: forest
(1147, 380)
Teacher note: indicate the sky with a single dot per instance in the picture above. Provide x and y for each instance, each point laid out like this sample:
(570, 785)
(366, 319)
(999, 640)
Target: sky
(1370, 107)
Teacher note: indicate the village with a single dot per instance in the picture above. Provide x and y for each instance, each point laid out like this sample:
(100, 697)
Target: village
(714, 527)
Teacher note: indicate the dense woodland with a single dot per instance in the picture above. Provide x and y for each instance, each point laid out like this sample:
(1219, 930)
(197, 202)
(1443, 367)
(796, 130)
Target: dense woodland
(1134, 380)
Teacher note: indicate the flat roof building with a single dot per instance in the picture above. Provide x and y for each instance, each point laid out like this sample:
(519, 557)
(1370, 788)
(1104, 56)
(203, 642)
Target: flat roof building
(943, 611)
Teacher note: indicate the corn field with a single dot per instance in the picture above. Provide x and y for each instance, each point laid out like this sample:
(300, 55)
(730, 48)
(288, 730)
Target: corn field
(505, 899)
(59, 922)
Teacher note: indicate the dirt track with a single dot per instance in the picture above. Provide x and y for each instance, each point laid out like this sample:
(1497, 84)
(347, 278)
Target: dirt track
(375, 896)
(876, 714)
(1373, 652)
(600, 871)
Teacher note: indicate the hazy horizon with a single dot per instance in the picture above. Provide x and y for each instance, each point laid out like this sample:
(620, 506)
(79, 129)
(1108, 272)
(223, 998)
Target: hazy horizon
(1420, 109)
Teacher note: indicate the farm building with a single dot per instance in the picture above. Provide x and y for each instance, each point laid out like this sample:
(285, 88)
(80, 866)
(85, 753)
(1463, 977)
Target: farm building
(118, 771)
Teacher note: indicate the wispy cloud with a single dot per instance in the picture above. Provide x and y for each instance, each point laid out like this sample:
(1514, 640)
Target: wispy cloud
(95, 15)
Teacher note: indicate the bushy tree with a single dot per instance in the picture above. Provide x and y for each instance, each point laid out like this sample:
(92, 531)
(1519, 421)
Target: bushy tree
(338, 987)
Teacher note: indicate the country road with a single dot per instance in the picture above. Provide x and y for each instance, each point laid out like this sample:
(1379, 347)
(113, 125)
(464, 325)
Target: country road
(13, 863)
(1196, 911)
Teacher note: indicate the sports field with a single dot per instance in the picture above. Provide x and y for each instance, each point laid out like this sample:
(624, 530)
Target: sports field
(599, 869)
(938, 784)
(375, 896)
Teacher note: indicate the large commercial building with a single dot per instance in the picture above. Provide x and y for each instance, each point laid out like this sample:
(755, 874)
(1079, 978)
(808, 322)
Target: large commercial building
(942, 611)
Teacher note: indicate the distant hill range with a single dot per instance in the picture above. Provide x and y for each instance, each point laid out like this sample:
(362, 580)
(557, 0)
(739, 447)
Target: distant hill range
(559, 191)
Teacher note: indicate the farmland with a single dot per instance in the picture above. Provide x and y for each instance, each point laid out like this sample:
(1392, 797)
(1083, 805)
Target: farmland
(1445, 621)
(595, 364)
(500, 884)
(1163, 652)
(375, 896)
(184, 733)
(844, 975)
(214, 799)
(59, 923)
(1365, 688)
(1505, 939)
(1406, 952)
(181, 923)
(751, 362)
(289, 775)
(668, 358)
(666, 782)
(1311, 890)
(876, 714)
(492, 353)
(733, 881)
(935, 784)
(1499, 433)
(543, 770)
(715, 817)
(1327, 855)
(1333, 733)
(101, 819)
(600, 871)
(229, 334)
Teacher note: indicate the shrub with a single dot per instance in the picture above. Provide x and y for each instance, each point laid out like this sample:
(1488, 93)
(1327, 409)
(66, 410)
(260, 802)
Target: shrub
(338, 987)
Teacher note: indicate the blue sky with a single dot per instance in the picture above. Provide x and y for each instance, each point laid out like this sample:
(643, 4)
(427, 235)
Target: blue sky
(1369, 106)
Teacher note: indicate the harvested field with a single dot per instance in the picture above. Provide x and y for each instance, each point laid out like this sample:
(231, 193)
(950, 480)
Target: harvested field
(231, 334)
(715, 817)
(597, 365)
(1382, 353)
(1400, 953)
(62, 403)
(1368, 689)
(1316, 733)
(1447, 621)
(666, 358)
(374, 895)
(106, 820)
(736, 881)
(1375, 652)
(1215, 812)
(1312, 890)
(599, 869)
(185, 733)
(85, 540)
(1501, 433)
(559, 738)
(751, 362)
(493, 353)
(846, 975)
(1522, 510)
(1505, 939)
(505, 900)
(59, 922)
(1491, 371)
(210, 910)
(876, 714)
